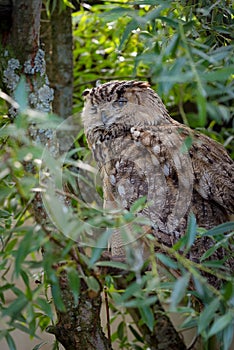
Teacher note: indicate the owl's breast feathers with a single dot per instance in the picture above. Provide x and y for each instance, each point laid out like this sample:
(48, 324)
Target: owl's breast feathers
(182, 157)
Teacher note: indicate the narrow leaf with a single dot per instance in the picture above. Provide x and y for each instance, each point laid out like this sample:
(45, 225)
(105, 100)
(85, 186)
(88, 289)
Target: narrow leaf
(74, 283)
(133, 24)
(10, 342)
(221, 323)
(167, 261)
(21, 95)
(92, 283)
(191, 231)
(120, 330)
(221, 229)
(207, 315)
(56, 293)
(179, 290)
(38, 346)
(228, 334)
(147, 316)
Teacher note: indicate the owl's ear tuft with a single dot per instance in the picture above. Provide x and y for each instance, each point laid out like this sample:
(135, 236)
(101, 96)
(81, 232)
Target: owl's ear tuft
(143, 84)
(86, 92)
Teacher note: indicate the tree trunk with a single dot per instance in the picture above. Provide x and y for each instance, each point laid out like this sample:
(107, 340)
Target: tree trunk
(56, 35)
(164, 336)
(80, 326)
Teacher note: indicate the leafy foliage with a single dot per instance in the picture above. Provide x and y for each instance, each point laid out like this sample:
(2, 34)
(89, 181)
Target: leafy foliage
(183, 48)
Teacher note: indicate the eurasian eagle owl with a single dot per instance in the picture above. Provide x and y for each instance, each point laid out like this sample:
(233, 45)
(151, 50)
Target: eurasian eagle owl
(143, 152)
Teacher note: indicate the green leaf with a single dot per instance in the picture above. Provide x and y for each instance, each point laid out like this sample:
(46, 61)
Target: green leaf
(115, 14)
(132, 289)
(56, 293)
(92, 283)
(4, 214)
(114, 264)
(74, 283)
(38, 346)
(10, 342)
(221, 323)
(11, 245)
(228, 337)
(16, 307)
(45, 307)
(140, 302)
(96, 253)
(189, 322)
(179, 290)
(136, 334)
(20, 94)
(220, 229)
(208, 253)
(19, 325)
(167, 261)
(25, 277)
(139, 204)
(201, 104)
(101, 243)
(191, 231)
(147, 316)
(219, 75)
(120, 330)
(132, 25)
(207, 315)
(166, 3)
(172, 23)
(22, 251)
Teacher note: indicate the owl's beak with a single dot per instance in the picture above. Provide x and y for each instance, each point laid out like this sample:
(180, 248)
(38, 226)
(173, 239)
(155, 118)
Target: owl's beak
(104, 117)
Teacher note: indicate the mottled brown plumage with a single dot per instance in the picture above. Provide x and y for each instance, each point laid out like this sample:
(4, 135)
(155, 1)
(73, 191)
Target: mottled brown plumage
(142, 151)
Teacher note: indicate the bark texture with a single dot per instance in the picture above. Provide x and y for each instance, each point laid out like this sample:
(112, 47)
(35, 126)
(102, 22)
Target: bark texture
(80, 326)
(25, 29)
(164, 336)
(57, 39)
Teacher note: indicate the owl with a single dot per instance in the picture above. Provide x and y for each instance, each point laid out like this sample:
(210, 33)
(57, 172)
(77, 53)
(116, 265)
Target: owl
(142, 153)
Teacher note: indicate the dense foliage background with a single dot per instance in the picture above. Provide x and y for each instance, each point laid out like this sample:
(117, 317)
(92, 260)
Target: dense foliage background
(185, 49)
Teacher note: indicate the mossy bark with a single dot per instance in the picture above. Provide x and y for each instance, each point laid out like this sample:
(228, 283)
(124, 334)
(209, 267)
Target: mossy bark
(57, 39)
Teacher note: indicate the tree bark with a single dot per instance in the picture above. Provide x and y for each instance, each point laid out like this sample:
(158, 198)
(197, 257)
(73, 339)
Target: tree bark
(164, 336)
(25, 30)
(80, 326)
(57, 38)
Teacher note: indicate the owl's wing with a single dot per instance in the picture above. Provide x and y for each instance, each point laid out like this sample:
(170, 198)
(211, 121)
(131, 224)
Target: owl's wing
(213, 171)
(193, 157)
(157, 163)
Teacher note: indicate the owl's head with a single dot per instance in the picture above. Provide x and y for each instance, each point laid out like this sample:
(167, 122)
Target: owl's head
(129, 102)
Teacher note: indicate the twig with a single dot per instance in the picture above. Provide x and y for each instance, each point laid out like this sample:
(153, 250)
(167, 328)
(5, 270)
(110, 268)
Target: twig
(107, 314)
